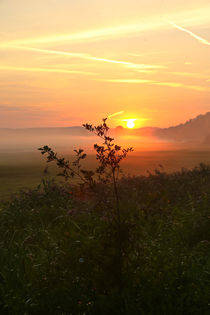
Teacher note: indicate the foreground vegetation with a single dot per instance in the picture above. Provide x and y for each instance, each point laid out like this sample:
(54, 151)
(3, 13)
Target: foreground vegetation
(59, 252)
(134, 245)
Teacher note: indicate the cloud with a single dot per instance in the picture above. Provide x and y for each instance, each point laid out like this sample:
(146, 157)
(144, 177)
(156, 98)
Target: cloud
(190, 74)
(169, 84)
(69, 118)
(181, 85)
(8, 108)
(29, 69)
(26, 109)
(143, 67)
(97, 34)
(200, 39)
(126, 81)
(151, 23)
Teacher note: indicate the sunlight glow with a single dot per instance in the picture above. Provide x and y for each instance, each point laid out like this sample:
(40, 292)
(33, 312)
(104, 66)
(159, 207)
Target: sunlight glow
(130, 123)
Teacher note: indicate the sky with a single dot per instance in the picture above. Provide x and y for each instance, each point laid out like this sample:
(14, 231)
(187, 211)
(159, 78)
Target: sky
(65, 62)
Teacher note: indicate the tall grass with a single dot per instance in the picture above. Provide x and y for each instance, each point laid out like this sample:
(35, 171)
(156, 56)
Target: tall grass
(58, 252)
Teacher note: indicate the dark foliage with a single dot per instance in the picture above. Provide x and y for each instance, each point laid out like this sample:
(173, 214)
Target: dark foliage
(143, 248)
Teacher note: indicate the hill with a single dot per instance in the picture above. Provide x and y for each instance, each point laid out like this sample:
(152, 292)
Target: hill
(194, 130)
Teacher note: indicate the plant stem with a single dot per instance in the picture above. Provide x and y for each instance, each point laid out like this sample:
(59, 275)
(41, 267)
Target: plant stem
(120, 254)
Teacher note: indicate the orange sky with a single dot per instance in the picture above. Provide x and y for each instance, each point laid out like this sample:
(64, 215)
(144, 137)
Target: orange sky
(66, 62)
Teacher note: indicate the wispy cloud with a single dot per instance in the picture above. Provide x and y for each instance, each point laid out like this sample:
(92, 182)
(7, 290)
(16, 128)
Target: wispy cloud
(191, 17)
(169, 84)
(29, 69)
(11, 108)
(8, 108)
(98, 34)
(190, 74)
(126, 81)
(142, 67)
(200, 39)
(181, 85)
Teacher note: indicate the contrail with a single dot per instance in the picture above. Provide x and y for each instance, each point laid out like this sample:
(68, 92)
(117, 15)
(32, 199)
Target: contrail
(116, 114)
(200, 39)
(84, 56)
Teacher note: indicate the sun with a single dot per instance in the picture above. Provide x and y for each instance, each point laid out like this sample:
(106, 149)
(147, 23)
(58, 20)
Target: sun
(130, 123)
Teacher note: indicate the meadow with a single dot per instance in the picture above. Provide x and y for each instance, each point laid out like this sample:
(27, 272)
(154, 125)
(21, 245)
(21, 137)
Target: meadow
(59, 249)
(19, 170)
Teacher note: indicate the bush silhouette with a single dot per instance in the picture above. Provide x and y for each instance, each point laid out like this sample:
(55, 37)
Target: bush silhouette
(109, 155)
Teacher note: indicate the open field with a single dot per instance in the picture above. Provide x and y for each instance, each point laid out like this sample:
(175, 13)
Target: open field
(25, 169)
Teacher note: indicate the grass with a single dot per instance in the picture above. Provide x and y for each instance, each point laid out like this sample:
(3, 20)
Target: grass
(58, 250)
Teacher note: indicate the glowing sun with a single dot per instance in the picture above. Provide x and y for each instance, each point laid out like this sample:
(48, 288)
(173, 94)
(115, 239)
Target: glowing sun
(130, 123)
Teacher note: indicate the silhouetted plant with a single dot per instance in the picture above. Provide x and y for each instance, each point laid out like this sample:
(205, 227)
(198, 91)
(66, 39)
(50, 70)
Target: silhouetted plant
(69, 170)
(109, 155)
